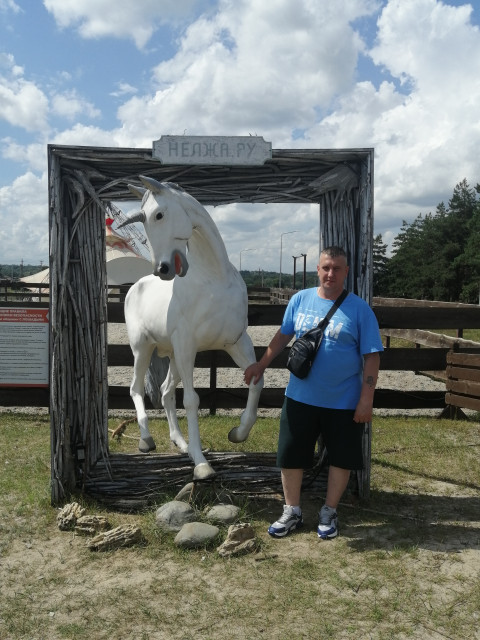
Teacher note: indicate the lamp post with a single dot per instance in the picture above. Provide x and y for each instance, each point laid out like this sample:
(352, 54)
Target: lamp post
(281, 249)
(242, 251)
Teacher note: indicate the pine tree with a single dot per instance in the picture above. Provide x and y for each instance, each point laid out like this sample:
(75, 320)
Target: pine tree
(380, 266)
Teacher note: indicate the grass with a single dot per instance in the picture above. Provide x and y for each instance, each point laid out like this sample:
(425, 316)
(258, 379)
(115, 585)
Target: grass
(405, 566)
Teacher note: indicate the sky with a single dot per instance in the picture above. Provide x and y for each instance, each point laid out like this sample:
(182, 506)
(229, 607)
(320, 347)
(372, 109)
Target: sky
(400, 76)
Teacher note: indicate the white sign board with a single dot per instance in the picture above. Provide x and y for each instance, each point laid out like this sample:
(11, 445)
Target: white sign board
(212, 150)
(23, 347)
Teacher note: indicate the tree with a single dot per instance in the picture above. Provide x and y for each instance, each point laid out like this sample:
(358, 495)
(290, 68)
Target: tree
(434, 257)
(380, 266)
(467, 265)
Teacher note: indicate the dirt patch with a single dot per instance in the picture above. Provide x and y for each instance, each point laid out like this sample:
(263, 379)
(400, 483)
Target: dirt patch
(405, 565)
(423, 546)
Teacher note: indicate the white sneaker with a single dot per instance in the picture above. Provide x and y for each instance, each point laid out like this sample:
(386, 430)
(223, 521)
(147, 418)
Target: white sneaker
(288, 521)
(327, 523)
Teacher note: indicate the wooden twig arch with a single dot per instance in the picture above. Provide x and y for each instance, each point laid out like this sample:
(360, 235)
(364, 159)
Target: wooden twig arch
(83, 181)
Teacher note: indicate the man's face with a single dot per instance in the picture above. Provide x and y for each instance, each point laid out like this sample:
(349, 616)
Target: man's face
(332, 273)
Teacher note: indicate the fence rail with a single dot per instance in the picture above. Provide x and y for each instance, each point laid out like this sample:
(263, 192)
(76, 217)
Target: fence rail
(463, 380)
(408, 318)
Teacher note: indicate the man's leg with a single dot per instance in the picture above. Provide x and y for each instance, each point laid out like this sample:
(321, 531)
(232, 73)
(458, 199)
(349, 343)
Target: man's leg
(291, 517)
(337, 483)
(296, 444)
(292, 486)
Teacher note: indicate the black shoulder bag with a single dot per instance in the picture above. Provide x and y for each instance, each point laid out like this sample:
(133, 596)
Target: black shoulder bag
(303, 351)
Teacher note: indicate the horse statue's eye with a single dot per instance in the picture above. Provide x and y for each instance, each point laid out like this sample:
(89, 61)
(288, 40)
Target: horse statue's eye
(159, 216)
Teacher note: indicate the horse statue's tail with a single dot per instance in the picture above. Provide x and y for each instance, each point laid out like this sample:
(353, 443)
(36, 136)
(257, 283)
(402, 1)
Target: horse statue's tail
(156, 374)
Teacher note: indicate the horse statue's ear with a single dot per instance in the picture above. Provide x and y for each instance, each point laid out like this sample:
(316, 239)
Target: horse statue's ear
(135, 217)
(137, 191)
(152, 184)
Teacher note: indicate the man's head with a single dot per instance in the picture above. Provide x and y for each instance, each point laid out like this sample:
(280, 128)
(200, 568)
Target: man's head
(332, 271)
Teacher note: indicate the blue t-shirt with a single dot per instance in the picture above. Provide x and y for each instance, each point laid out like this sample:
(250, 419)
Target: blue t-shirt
(335, 379)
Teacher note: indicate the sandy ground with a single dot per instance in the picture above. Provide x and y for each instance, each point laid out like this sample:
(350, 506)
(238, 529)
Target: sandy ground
(49, 575)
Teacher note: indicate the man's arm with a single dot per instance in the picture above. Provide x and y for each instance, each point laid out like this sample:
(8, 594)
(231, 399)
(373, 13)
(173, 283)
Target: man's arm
(363, 412)
(276, 346)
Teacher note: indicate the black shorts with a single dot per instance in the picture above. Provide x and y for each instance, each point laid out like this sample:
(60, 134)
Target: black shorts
(302, 424)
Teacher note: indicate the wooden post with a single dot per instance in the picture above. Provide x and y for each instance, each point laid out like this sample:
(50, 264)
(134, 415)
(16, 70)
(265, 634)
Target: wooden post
(346, 220)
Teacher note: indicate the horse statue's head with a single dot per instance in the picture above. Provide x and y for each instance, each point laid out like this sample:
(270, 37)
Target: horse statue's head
(167, 225)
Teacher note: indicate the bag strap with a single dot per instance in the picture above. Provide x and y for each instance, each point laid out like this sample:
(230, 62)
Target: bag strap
(317, 331)
(333, 308)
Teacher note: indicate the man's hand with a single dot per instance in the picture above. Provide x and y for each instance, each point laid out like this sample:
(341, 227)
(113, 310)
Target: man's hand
(277, 344)
(363, 411)
(255, 372)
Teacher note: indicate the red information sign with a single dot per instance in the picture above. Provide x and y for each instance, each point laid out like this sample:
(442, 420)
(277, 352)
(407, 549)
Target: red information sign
(23, 347)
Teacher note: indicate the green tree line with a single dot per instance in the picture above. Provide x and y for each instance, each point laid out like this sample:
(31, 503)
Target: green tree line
(435, 257)
(14, 271)
(270, 279)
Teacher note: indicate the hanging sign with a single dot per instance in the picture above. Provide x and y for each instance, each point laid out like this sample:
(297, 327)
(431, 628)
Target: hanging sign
(23, 347)
(212, 150)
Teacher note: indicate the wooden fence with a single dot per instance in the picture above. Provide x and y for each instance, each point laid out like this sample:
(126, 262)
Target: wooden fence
(463, 380)
(397, 317)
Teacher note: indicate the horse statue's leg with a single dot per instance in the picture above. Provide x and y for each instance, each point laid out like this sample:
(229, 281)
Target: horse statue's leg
(169, 404)
(142, 358)
(243, 355)
(184, 359)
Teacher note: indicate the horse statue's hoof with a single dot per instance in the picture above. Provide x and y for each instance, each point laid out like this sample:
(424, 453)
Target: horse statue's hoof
(234, 435)
(147, 444)
(203, 471)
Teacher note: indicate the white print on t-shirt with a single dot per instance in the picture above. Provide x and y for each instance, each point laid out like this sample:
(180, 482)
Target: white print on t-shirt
(304, 322)
(332, 332)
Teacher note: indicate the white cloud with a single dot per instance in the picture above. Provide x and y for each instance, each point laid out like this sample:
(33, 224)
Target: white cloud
(70, 105)
(289, 71)
(22, 103)
(24, 220)
(86, 135)
(427, 144)
(33, 156)
(9, 5)
(124, 89)
(118, 18)
(259, 229)
(425, 132)
(253, 67)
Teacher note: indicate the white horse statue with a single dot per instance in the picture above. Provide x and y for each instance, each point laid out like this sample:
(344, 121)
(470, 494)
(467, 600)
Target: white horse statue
(195, 301)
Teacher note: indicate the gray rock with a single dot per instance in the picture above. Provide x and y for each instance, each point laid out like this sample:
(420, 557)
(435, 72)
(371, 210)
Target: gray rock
(223, 513)
(173, 515)
(239, 541)
(196, 534)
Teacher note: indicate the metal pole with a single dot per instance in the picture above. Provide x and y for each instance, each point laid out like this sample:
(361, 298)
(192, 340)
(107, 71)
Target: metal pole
(281, 249)
(295, 258)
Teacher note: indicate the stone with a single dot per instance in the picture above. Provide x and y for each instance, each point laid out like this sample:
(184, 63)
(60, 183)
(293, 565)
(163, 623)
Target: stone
(123, 536)
(68, 516)
(196, 534)
(173, 515)
(90, 525)
(239, 541)
(223, 513)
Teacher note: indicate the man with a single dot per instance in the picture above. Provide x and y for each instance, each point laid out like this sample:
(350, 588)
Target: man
(334, 400)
